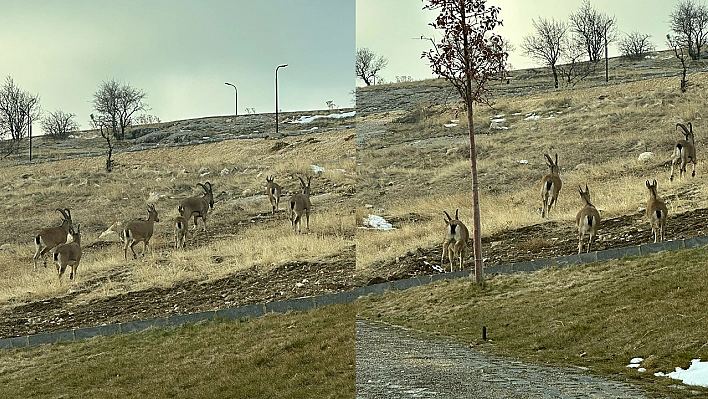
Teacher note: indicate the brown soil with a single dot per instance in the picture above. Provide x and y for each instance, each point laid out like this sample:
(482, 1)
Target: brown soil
(242, 288)
(545, 240)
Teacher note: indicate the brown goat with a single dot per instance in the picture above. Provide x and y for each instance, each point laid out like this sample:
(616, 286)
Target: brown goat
(455, 241)
(587, 219)
(656, 212)
(550, 185)
(137, 231)
(68, 254)
(50, 237)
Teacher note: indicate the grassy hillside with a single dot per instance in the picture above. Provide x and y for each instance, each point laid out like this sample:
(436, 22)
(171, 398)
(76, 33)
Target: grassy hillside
(241, 232)
(419, 167)
(598, 316)
(298, 355)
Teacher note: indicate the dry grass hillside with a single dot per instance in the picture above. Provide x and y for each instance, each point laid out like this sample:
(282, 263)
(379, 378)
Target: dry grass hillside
(411, 167)
(242, 236)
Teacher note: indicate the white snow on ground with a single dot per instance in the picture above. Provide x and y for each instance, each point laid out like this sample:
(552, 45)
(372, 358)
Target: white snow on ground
(317, 169)
(697, 373)
(377, 222)
(450, 124)
(308, 119)
(532, 117)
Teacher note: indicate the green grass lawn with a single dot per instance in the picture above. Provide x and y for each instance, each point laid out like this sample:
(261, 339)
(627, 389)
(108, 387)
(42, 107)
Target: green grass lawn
(296, 355)
(598, 316)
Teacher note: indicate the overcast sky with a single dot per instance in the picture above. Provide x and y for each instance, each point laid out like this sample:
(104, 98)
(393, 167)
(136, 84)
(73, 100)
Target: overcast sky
(393, 28)
(181, 52)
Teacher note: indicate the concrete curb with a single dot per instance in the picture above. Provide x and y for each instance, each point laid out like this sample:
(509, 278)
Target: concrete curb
(309, 303)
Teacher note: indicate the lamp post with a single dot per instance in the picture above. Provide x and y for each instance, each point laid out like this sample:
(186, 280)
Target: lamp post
(236, 94)
(276, 95)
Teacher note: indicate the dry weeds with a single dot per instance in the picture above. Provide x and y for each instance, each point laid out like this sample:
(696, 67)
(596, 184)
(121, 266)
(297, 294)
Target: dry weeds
(598, 133)
(241, 233)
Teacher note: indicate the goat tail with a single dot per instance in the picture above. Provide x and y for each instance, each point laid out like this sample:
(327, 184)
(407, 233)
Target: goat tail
(56, 256)
(37, 240)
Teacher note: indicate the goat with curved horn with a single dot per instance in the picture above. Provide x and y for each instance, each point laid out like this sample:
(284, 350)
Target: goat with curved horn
(50, 237)
(684, 152)
(198, 207)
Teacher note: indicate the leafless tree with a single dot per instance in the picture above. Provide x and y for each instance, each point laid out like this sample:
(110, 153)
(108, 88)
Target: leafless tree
(635, 45)
(469, 55)
(547, 44)
(101, 124)
(18, 109)
(116, 103)
(59, 124)
(368, 65)
(596, 30)
(689, 22)
(676, 45)
(146, 119)
(572, 67)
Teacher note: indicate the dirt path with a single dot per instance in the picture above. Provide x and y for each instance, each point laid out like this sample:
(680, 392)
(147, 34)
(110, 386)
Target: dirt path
(392, 362)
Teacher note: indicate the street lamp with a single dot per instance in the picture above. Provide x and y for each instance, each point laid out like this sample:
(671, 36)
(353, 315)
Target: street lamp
(236, 91)
(276, 95)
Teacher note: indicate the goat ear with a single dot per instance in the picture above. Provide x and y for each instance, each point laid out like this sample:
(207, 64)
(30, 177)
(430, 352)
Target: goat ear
(655, 182)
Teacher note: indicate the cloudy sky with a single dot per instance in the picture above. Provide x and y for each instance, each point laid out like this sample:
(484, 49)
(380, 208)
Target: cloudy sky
(393, 28)
(181, 53)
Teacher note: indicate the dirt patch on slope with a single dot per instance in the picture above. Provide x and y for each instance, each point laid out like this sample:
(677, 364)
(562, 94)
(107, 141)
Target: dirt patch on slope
(542, 241)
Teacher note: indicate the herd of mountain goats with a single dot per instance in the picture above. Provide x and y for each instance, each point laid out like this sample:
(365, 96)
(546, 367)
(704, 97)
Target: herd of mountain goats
(54, 241)
(588, 218)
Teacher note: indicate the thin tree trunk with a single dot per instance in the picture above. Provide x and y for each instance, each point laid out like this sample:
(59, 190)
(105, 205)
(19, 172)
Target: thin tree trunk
(477, 233)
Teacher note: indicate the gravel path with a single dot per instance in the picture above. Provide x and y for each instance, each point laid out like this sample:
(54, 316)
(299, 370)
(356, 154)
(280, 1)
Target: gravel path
(391, 362)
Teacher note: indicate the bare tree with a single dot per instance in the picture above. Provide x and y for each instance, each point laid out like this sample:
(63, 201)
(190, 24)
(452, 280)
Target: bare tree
(547, 44)
(689, 22)
(572, 68)
(595, 30)
(635, 45)
(468, 56)
(18, 109)
(59, 124)
(676, 44)
(101, 124)
(368, 65)
(116, 103)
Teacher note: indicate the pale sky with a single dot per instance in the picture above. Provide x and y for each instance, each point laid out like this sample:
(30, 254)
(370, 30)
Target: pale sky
(181, 53)
(392, 28)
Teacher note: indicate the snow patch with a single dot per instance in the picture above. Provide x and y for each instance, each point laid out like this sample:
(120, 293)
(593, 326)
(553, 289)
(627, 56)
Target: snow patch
(309, 119)
(377, 223)
(697, 374)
